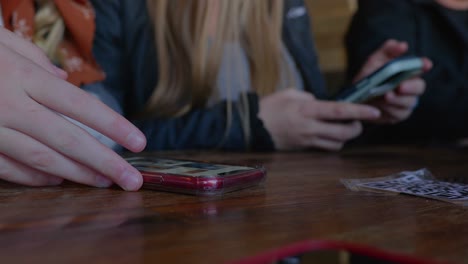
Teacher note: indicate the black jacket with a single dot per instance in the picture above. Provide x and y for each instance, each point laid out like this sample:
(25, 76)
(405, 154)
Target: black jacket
(124, 47)
(430, 29)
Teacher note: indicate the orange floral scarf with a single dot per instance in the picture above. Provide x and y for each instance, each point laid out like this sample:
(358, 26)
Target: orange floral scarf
(75, 50)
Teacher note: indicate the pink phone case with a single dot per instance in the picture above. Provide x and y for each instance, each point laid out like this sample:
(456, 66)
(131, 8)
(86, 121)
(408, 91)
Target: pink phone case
(194, 177)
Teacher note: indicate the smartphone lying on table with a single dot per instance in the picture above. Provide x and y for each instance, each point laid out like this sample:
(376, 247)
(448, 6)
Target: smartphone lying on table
(195, 177)
(384, 79)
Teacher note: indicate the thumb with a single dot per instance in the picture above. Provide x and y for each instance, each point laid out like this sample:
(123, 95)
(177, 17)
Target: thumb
(389, 50)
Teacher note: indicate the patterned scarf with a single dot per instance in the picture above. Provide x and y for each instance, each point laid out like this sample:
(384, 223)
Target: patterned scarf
(72, 20)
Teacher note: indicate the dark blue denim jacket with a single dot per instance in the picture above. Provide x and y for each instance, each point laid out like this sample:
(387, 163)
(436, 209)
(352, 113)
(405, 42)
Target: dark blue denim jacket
(124, 47)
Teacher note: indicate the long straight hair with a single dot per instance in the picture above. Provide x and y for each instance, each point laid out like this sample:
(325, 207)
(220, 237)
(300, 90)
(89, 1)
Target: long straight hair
(190, 36)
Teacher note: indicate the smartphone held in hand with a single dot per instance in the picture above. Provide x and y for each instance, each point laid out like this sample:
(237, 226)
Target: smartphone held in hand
(194, 177)
(385, 79)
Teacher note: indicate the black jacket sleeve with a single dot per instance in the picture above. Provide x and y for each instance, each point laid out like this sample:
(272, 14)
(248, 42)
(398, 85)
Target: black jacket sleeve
(124, 47)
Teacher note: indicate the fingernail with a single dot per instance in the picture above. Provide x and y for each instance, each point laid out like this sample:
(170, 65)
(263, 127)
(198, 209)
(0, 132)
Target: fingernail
(136, 140)
(61, 73)
(103, 182)
(131, 180)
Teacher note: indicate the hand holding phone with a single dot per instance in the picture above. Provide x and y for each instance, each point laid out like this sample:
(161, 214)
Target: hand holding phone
(384, 79)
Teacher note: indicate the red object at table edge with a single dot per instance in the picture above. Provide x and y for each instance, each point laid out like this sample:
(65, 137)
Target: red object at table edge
(309, 246)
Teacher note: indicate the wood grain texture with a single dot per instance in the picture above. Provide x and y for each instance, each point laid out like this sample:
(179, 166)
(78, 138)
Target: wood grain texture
(301, 199)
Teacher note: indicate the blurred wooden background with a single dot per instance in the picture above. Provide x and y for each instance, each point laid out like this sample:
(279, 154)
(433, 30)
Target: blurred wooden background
(330, 19)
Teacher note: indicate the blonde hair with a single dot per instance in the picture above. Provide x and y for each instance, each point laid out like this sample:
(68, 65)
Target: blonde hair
(190, 36)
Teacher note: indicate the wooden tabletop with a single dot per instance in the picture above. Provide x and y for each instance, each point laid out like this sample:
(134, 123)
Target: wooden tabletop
(301, 199)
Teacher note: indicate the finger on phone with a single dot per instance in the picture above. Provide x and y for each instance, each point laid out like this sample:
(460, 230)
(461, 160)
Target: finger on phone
(78, 145)
(415, 86)
(85, 108)
(340, 111)
(15, 172)
(389, 50)
(393, 48)
(395, 114)
(428, 64)
(41, 158)
(400, 101)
